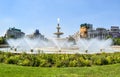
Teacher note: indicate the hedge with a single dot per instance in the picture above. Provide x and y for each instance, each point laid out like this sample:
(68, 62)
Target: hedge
(59, 60)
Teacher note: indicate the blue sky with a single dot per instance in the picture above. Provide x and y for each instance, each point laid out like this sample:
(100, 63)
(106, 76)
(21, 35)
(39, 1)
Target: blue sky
(29, 15)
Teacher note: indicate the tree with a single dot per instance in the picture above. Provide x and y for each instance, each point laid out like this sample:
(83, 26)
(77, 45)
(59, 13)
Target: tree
(109, 36)
(116, 41)
(2, 40)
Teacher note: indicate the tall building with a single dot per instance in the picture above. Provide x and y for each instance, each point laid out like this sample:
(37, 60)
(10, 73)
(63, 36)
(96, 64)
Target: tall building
(14, 33)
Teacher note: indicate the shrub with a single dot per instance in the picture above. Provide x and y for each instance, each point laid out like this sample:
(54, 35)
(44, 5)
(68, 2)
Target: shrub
(98, 62)
(118, 59)
(2, 58)
(12, 60)
(81, 62)
(73, 63)
(44, 63)
(8, 54)
(26, 62)
(104, 61)
(109, 59)
(88, 63)
(60, 60)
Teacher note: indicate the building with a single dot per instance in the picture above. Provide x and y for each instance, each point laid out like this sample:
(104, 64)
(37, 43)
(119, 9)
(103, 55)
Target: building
(115, 31)
(100, 33)
(14, 33)
(37, 34)
(83, 31)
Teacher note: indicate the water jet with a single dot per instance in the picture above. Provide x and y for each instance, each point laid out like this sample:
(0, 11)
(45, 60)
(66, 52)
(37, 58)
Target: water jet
(57, 44)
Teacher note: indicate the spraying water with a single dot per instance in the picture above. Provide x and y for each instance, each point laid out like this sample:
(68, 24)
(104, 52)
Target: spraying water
(94, 45)
(82, 45)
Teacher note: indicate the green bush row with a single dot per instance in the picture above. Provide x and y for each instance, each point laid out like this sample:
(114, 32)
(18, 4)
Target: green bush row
(59, 60)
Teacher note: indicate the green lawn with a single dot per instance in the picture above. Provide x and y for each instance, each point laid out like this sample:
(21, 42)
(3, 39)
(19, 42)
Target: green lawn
(7, 70)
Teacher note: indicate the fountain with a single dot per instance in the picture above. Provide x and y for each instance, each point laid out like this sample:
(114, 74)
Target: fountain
(58, 33)
(58, 44)
(94, 45)
(62, 45)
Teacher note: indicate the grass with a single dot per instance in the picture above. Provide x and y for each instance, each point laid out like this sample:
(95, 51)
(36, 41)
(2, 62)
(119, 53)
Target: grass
(7, 70)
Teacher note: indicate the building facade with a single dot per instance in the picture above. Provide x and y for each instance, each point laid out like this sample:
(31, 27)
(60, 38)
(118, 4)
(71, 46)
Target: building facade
(38, 35)
(14, 33)
(115, 31)
(100, 33)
